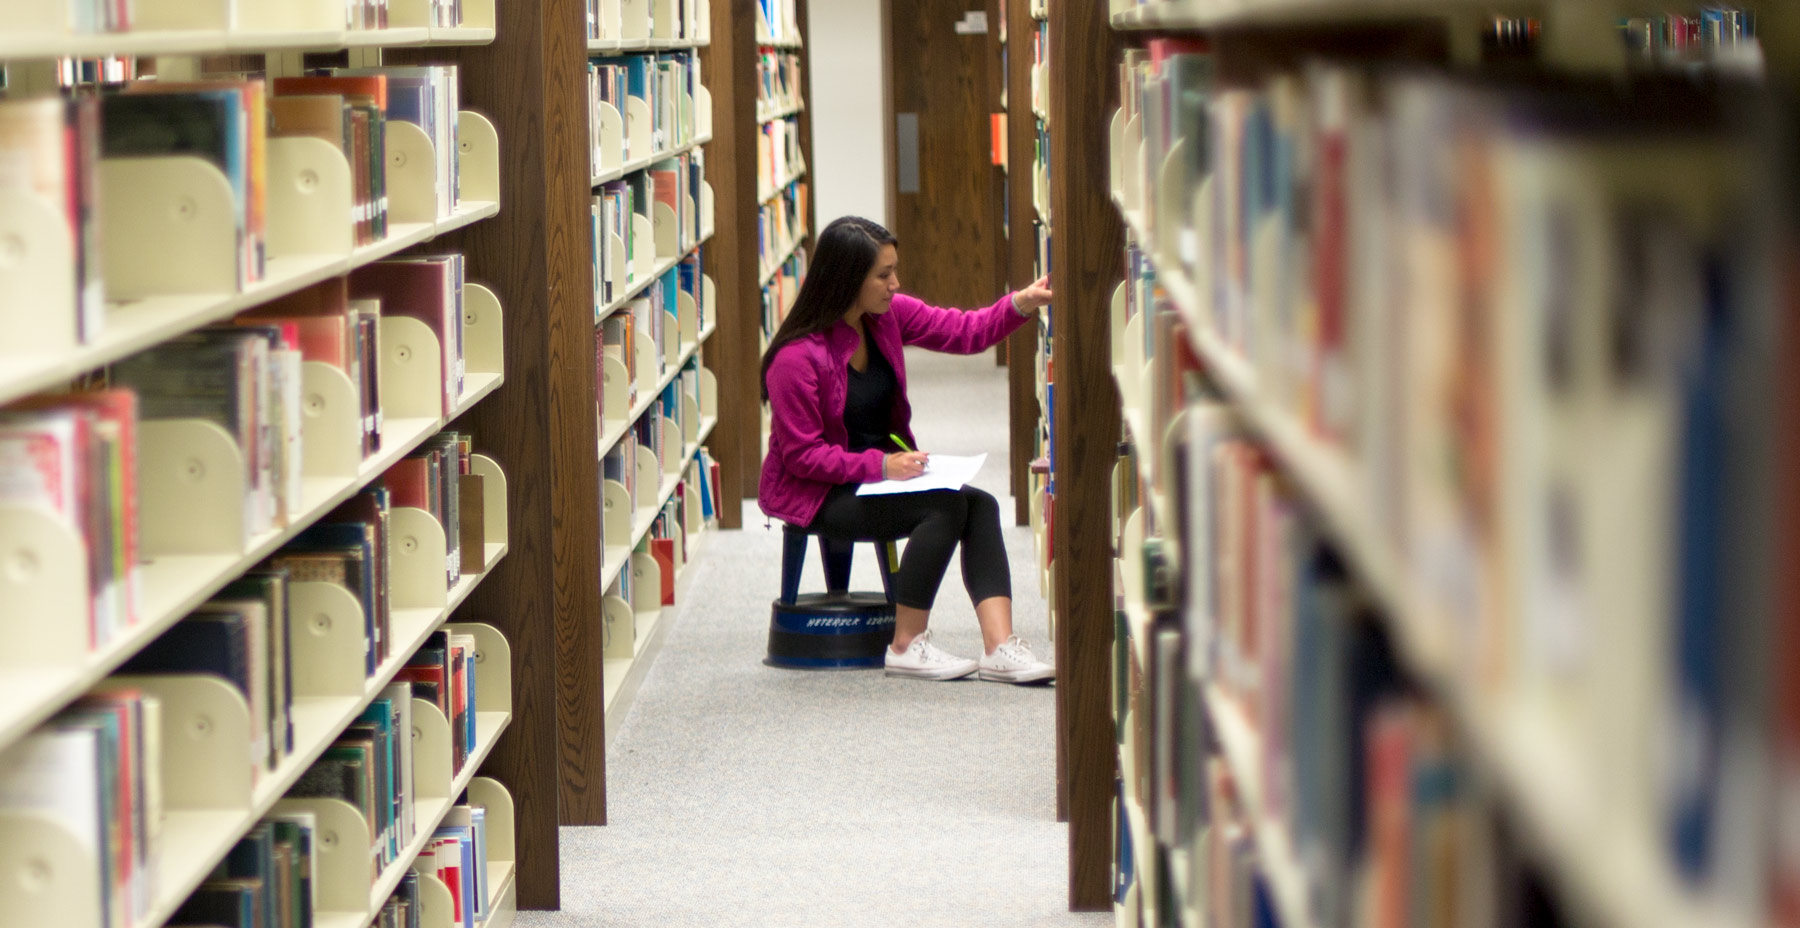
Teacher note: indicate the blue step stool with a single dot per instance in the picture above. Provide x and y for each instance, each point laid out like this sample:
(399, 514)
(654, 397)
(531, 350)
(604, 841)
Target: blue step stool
(837, 629)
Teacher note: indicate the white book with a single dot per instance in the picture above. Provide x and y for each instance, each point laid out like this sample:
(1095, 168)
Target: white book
(55, 774)
(401, 695)
(286, 367)
(474, 817)
(153, 785)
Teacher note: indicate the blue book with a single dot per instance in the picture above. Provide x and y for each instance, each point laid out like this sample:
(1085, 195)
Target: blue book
(706, 498)
(638, 69)
(215, 644)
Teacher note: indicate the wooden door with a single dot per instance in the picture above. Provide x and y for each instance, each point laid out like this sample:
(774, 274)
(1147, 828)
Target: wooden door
(942, 70)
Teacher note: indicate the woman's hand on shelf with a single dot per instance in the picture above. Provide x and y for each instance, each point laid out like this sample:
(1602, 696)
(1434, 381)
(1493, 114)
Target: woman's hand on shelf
(904, 465)
(1033, 298)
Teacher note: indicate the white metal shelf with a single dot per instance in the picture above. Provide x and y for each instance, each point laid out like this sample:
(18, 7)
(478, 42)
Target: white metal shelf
(769, 272)
(639, 285)
(137, 325)
(643, 517)
(767, 113)
(1281, 866)
(18, 46)
(175, 585)
(616, 431)
(195, 841)
(766, 194)
(620, 46)
(640, 164)
(1629, 882)
(622, 674)
(1207, 14)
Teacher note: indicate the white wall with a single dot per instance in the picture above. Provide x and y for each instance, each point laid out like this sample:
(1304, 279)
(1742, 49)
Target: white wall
(850, 135)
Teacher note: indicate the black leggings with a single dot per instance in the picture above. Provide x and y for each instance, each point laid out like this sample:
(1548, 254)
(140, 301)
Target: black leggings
(932, 522)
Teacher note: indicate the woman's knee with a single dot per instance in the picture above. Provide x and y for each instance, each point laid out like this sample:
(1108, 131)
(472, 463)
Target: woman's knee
(981, 503)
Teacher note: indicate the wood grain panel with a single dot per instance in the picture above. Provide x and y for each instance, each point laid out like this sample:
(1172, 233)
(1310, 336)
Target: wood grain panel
(803, 22)
(575, 466)
(1087, 255)
(544, 596)
(948, 229)
(729, 65)
(997, 77)
(1021, 249)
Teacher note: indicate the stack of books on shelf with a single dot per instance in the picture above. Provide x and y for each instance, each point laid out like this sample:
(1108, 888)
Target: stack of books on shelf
(1042, 507)
(612, 23)
(780, 291)
(781, 226)
(1397, 645)
(778, 86)
(783, 194)
(112, 17)
(777, 23)
(221, 443)
(779, 159)
(664, 84)
(651, 214)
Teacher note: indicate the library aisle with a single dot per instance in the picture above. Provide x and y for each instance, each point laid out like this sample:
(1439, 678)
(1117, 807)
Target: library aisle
(744, 795)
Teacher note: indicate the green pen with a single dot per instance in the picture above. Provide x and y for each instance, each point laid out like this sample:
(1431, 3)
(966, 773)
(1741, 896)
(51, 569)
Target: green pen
(902, 443)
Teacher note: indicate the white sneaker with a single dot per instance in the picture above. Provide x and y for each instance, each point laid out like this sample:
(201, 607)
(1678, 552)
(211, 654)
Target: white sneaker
(1013, 662)
(927, 661)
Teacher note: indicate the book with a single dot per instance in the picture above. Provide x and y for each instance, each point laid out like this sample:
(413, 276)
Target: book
(429, 289)
(365, 102)
(221, 376)
(51, 149)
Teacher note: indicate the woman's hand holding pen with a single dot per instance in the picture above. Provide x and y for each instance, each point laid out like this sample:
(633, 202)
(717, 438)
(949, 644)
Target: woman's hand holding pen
(1033, 298)
(904, 464)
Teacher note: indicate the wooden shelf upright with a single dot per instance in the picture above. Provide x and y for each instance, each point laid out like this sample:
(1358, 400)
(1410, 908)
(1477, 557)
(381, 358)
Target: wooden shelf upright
(1020, 257)
(536, 256)
(730, 65)
(1085, 267)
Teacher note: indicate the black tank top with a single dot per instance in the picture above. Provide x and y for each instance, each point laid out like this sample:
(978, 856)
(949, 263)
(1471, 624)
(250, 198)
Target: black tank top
(869, 402)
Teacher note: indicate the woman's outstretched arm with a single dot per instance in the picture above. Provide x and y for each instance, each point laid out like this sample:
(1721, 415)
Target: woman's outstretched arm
(957, 332)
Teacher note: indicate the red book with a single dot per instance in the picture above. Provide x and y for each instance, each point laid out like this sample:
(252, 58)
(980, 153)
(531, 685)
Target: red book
(450, 872)
(374, 86)
(1389, 770)
(667, 188)
(663, 549)
(433, 676)
(320, 316)
(459, 695)
(422, 289)
(408, 483)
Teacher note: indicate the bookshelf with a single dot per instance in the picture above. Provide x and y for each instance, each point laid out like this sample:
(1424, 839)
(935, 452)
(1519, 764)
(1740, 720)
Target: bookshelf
(1059, 137)
(625, 110)
(1018, 30)
(208, 513)
(784, 150)
(1552, 801)
(170, 27)
(763, 138)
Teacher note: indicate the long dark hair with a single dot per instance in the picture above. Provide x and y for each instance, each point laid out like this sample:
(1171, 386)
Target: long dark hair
(846, 250)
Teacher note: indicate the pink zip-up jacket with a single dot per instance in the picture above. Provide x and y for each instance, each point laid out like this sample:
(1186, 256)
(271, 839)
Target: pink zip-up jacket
(808, 445)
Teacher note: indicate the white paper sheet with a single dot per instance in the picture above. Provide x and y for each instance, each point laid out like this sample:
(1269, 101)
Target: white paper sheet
(942, 472)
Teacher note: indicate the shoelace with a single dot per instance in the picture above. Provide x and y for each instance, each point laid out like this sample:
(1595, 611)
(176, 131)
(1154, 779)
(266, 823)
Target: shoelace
(1016, 649)
(928, 652)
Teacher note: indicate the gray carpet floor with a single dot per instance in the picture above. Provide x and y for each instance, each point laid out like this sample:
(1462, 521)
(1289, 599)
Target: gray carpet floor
(742, 795)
